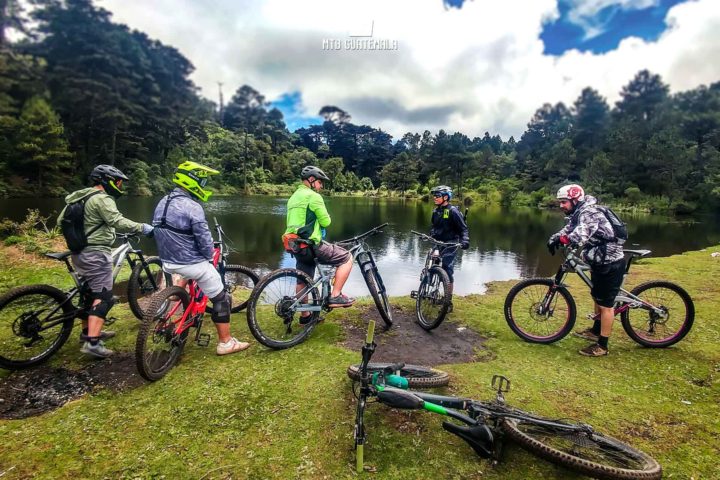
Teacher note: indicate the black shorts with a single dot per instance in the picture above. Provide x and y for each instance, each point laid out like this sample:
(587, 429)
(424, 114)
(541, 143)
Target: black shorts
(326, 253)
(607, 280)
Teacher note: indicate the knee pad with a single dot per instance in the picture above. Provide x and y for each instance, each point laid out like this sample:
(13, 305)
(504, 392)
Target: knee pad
(106, 303)
(222, 304)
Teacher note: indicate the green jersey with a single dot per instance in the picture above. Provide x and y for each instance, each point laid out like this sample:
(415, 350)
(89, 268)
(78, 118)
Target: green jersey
(306, 214)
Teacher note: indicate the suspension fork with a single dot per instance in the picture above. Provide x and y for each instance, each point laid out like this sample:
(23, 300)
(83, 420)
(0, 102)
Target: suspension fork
(552, 291)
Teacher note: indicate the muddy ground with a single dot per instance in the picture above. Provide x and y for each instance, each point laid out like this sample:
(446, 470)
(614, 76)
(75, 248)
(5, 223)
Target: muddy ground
(26, 393)
(451, 342)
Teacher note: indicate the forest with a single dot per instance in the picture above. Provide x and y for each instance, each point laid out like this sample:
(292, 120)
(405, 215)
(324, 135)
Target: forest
(77, 90)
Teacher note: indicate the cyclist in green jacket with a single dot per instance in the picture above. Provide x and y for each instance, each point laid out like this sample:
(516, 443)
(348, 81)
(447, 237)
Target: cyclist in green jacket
(308, 218)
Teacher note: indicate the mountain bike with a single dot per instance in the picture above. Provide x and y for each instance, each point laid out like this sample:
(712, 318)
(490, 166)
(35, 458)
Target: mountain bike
(175, 310)
(36, 320)
(488, 424)
(277, 302)
(433, 297)
(654, 314)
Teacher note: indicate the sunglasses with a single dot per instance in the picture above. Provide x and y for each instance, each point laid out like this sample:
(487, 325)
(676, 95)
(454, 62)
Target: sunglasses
(437, 195)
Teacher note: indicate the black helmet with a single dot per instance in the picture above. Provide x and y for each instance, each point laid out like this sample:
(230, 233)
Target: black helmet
(313, 171)
(110, 178)
(442, 190)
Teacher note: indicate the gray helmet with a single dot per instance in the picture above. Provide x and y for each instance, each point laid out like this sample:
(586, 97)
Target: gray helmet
(313, 171)
(442, 190)
(110, 178)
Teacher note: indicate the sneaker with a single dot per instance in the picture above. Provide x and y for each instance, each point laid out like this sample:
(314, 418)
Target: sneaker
(587, 334)
(97, 351)
(305, 319)
(594, 350)
(231, 346)
(450, 308)
(104, 335)
(341, 301)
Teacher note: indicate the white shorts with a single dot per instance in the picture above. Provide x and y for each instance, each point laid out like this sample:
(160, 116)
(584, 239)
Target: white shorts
(204, 274)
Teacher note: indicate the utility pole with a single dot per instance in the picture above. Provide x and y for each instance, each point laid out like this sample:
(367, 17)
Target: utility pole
(220, 84)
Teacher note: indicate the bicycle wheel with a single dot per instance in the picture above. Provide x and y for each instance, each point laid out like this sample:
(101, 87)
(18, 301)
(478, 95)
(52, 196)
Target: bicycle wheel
(379, 294)
(650, 329)
(158, 347)
(521, 311)
(145, 280)
(433, 298)
(239, 282)
(271, 314)
(417, 376)
(35, 321)
(590, 453)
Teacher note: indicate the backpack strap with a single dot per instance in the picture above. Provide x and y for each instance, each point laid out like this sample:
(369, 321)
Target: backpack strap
(96, 227)
(163, 219)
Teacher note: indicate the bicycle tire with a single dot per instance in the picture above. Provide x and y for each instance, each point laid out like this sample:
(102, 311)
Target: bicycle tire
(552, 331)
(382, 302)
(141, 289)
(644, 336)
(158, 327)
(617, 459)
(13, 336)
(269, 300)
(239, 278)
(427, 297)
(417, 376)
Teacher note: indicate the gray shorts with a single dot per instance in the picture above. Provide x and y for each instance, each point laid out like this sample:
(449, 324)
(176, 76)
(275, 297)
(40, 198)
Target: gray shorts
(326, 253)
(96, 268)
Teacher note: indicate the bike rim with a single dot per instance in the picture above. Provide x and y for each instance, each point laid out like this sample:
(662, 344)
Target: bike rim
(659, 328)
(534, 325)
(24, 331)
(275, 316)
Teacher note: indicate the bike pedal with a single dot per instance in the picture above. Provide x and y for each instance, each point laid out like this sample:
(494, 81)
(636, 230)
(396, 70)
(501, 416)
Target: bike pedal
(110, 320)
(203, 340)
(413, 294)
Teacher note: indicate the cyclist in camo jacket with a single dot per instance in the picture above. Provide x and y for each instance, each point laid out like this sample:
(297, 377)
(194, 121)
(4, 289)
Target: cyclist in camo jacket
(589, 228)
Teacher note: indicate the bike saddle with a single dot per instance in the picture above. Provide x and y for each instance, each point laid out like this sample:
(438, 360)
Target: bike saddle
(638, 253)
(479, 437)
(59, 255)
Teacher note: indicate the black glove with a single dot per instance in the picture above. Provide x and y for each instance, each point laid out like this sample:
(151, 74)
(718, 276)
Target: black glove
(552, 245)
(465, 245)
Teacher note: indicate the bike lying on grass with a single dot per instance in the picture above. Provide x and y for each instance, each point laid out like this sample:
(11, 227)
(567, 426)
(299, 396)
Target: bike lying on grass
(573, 445)
(654, 314)
(175, 310)
(36, 320)
(278, 301)
(433, 297)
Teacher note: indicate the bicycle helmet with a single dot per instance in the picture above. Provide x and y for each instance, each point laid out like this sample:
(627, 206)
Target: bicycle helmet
(571, 192)
(193, 177)
(313, 171)
(441, 191)
(111, 179)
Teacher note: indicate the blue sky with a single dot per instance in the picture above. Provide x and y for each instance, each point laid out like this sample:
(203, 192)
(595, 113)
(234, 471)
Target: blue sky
(291, 105)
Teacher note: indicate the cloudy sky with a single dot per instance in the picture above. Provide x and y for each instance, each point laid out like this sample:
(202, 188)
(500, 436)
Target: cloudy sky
(469, 66)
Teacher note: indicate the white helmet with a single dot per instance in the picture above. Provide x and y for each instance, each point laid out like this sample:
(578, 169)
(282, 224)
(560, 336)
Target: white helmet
(571, 192)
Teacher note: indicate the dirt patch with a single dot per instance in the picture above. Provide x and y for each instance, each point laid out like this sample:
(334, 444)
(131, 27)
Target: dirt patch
(27, 393)
(407, 342)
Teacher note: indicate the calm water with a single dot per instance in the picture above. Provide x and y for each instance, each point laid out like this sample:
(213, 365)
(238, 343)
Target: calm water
(504, 244)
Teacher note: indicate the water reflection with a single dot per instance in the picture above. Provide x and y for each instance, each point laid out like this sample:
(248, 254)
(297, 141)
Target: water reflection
(505, 244)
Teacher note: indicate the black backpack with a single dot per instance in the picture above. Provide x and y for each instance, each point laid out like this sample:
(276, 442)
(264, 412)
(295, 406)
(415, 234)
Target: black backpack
(619, 228)
(73, 225)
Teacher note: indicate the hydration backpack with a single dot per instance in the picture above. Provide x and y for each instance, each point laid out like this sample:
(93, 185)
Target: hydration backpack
(73, 225)
(619, 228)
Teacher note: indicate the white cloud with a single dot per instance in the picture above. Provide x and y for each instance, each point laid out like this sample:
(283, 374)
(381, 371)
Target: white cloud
(586, 13)
(472, 69)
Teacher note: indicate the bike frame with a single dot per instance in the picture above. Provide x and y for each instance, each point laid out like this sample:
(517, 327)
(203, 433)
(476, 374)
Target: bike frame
(572, 263)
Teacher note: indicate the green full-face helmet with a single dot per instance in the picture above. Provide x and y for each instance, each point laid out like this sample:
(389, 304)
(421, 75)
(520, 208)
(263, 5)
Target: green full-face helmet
(193, 177)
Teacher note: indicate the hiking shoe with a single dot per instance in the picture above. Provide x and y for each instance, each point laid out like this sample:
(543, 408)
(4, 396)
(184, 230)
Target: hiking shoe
(450, 308)
(104, 335)
(341, 301)
(587, 334)
(305, 319)
(231, 346)
(594, 350)
(97, 351)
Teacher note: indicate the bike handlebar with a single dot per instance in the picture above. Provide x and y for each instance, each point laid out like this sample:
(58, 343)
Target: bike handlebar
(437, 242)
(372, 231)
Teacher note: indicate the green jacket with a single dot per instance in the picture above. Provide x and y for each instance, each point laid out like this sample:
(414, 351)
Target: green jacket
(306, 214)
(101, 209)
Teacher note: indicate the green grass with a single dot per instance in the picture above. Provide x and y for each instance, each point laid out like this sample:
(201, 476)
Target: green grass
(289, 414)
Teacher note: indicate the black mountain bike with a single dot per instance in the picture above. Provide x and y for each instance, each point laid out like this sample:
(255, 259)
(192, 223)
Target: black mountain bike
(654, 314)
(433, 297)
(576, 446)
(36, 320)
(277, 302)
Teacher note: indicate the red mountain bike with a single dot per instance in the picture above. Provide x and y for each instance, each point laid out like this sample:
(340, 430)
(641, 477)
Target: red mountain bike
(173, 311)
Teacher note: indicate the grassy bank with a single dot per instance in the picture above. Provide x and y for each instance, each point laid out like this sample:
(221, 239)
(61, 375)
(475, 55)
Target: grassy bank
(289, 414)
